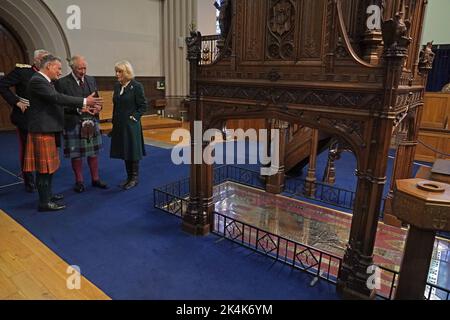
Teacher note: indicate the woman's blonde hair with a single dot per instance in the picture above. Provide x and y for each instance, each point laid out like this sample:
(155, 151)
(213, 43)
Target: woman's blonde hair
(126, 68)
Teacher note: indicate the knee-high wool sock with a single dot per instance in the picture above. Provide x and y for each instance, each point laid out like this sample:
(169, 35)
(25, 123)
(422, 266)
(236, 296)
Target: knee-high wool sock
(93, 166)
(77, 169)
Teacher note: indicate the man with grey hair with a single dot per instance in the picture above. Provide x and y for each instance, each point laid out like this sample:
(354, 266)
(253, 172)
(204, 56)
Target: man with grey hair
(46, 122)
(82, 137)
(19, 102)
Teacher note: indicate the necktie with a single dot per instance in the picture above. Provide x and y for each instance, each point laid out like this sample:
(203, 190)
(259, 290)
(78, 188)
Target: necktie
(81, 82)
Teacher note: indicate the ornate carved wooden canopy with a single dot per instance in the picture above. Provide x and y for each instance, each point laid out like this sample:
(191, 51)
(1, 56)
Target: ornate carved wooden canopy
(349, 67)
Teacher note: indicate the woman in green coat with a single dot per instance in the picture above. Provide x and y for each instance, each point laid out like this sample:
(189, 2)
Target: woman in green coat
(127, 139)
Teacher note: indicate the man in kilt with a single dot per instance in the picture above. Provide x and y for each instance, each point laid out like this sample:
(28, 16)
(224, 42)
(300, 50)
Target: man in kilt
(45, 124)
(82, 136)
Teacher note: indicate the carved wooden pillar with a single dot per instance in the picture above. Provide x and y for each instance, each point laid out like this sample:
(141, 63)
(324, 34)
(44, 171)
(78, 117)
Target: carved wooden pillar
(371, 173)
(403, 163)
(275, 182)
(197, 219)
(352, 282)
(311, 179)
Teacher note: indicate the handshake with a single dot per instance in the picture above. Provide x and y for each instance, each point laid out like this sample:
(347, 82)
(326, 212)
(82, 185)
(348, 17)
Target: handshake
(93, 105)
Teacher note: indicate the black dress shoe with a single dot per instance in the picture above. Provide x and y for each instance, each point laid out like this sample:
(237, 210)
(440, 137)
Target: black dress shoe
(51, 206)
(99, 184)
(57, 197)
(79, 187)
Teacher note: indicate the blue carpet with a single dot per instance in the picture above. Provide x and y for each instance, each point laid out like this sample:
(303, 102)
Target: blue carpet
(132, 251)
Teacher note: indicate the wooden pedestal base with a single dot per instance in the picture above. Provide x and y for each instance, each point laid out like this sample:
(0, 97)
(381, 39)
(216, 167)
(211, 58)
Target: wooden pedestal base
(415, 264)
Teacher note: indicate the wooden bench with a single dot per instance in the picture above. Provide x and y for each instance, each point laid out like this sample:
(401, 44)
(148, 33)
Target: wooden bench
(148, 121)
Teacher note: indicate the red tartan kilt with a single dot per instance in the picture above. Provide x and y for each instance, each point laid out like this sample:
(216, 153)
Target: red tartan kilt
(41, 154)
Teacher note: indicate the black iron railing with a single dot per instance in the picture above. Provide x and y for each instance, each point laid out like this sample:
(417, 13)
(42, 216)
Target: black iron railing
(239, 175)
(325, 193)
(210, 50)
(173, 197)
(302, 257)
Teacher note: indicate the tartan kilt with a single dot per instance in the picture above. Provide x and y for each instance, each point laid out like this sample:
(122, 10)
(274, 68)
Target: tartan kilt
(41, 153)
(75, 147)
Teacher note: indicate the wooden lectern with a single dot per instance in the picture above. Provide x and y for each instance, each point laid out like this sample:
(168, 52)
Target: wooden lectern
(425, 205)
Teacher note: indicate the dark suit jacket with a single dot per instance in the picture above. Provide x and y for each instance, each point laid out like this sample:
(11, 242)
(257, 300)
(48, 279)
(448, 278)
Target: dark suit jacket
(46, 112)
(19, 79)
(69, 86)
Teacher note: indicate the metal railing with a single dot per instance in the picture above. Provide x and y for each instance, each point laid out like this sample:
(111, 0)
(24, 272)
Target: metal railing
(239, 175)
(172, 198)
(325, 193)
(210, 51)
(302, 257)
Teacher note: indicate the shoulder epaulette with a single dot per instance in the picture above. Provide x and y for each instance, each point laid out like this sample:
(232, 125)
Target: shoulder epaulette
(20, 65)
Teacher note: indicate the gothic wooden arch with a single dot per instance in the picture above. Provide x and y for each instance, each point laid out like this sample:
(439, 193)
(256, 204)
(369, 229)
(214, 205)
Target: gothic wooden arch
(342, 128)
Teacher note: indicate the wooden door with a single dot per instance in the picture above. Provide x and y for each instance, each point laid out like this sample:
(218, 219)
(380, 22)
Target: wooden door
(11, 53)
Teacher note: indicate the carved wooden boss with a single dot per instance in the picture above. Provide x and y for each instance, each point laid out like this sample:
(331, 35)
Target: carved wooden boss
(348, 67)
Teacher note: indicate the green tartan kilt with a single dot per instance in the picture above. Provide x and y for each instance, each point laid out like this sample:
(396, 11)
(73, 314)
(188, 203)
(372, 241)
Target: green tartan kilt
(75, 147)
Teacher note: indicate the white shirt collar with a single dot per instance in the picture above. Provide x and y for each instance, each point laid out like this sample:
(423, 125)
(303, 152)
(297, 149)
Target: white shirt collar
(76, 79)
(45, 76)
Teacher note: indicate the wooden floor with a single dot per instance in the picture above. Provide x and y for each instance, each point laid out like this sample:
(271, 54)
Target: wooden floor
(164, 135)
(30, 270)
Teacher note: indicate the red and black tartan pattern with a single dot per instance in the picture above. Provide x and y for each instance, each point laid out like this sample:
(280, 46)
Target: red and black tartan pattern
(41, 154)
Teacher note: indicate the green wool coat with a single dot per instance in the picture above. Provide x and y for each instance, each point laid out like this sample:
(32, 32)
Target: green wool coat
(127, 139)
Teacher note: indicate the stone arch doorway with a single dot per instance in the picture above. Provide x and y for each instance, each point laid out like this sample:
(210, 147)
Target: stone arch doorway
(36, 25)
(12, 52)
